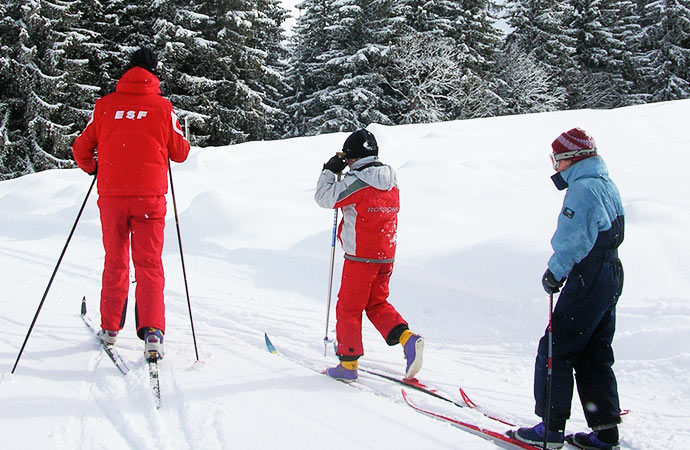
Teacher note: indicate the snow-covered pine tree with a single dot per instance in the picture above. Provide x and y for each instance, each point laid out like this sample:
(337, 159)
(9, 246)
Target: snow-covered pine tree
(627, 29)
(95, 54)
(607, 48)
(12, 141)
(337, 71)
(217, 69)
(600, 54)
(540, 31)
(115, 30)
(267, 37)
(525, 85)
(426, 75)
(367, 30)
(75, 54)
(470, 25)
(432, 17)
(41, 82)
(240, 107)
(219, 50)
(479, 41)
(667, 49)
(129, 26)
(306, 71)
(182, 55)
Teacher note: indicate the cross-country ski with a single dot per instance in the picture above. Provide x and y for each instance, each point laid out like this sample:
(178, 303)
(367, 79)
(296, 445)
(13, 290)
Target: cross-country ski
(109, 349)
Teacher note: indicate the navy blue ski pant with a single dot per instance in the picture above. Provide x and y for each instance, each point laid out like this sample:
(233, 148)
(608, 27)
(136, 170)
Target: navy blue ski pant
(584, 321)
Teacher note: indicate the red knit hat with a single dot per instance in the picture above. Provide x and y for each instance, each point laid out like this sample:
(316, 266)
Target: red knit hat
(574, 144)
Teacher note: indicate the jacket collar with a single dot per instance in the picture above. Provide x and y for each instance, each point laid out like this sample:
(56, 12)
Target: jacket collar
(592, 167)
(140, 81)
(363, 162)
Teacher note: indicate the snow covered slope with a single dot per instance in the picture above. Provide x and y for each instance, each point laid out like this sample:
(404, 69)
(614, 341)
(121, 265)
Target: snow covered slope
(477, 212)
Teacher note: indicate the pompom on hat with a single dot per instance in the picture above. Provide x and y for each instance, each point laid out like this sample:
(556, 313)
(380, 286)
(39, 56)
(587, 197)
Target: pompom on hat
(573, 144)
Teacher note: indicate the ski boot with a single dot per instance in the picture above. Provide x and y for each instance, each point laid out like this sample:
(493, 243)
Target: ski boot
(535, 436)
(590, 441)
(413, 346)
(107, 336)
(153, 344)
(346, 371)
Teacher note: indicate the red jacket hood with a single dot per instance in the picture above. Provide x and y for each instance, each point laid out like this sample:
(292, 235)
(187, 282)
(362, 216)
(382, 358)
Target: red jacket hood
(138, 80)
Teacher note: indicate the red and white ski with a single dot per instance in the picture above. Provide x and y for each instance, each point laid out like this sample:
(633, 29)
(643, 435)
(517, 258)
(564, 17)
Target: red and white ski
(491, 435)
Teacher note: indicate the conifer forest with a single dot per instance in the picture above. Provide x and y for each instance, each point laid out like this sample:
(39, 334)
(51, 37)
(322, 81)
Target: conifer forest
(234, 72)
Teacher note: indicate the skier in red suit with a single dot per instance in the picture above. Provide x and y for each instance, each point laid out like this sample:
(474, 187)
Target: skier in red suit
(131, 135)
(368, 196)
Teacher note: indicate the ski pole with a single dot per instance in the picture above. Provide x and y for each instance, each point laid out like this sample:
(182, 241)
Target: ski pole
(184, 271)
(326, 340)
(52, 277)
(549, 368)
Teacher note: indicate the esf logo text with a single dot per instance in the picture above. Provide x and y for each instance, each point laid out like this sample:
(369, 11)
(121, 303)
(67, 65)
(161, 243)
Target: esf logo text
(131, 115)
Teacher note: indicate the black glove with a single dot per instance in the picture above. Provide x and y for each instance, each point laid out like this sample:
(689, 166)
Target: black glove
(336, 164)
(551, 286)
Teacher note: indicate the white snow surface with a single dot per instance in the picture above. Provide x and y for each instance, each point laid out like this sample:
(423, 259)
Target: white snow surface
(477, 212)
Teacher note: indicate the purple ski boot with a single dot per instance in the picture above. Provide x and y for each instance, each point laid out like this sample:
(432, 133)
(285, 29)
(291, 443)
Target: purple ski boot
(342, 374)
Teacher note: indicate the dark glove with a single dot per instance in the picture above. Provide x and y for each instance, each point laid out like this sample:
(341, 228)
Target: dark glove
(336, 164)
(551, 286)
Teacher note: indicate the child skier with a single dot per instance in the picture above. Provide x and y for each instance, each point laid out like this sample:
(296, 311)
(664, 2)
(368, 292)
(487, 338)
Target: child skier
(368, 197)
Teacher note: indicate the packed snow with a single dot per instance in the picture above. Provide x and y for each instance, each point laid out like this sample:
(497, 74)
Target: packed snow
(477, 212)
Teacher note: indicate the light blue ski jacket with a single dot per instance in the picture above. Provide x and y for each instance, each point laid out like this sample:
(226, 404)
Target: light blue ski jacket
(592, 214)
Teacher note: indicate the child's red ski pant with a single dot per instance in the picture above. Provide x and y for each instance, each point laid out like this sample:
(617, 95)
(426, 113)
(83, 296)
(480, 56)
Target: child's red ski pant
(363, 288)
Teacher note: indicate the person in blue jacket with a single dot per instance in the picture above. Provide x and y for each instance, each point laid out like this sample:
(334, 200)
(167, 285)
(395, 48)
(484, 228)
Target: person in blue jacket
(590, 228)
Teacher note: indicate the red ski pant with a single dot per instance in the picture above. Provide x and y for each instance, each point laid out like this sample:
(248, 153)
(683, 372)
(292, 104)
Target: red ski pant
(141, 221)
(363, 287)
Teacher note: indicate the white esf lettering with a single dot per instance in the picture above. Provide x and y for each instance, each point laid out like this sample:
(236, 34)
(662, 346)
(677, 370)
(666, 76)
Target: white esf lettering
(131, 115)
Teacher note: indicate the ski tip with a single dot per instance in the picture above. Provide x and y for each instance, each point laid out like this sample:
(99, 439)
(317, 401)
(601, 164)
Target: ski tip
(408, 400)
(466, 399)
(269, 344)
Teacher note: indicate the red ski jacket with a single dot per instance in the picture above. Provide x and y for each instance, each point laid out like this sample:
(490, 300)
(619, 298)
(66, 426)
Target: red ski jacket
(135, 131)
(368, 195)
